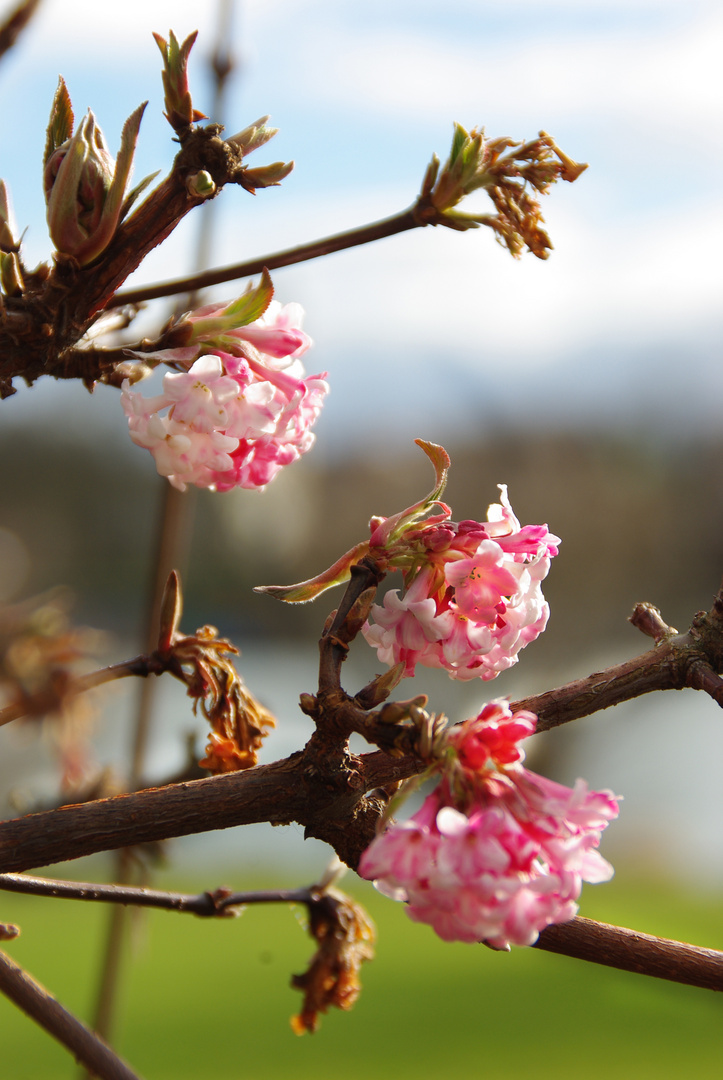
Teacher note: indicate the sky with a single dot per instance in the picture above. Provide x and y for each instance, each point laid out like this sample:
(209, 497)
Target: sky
(436, 330)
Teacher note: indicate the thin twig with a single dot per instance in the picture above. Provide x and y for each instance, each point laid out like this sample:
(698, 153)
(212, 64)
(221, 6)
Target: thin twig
(46, 701)
(42, 1007)
(364, 234)
(583, 939)
(206, 904)
(628, 950)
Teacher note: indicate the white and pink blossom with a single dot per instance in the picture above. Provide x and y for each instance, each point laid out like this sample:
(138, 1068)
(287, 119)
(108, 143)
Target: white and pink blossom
(496, 853)
(473, 597)
(233, 420)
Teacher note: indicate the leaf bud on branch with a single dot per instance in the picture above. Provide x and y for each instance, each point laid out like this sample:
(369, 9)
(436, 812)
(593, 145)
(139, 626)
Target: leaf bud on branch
(180, 112)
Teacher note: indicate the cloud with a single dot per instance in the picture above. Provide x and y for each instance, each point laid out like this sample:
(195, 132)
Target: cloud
(639, 280)
(669, 77)
(636, 239)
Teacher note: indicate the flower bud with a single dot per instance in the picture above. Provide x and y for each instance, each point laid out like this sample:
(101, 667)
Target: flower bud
(200, 185)
(7, 225)
(11, 276)
(84, 186)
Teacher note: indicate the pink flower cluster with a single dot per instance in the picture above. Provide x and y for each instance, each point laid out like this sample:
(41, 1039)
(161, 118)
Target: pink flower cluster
(473, 597)
(496, 853)
(233, 420)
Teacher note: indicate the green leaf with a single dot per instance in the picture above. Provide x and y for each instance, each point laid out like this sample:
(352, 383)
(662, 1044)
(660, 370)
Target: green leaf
(251, 305)
(135, 192)
(60, 127)
(309, 590)
(458, 141)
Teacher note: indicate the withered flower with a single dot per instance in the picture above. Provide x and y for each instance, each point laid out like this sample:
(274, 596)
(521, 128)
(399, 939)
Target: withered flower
(202, 661)
(510, 179)
(239, 722)
(345, 937)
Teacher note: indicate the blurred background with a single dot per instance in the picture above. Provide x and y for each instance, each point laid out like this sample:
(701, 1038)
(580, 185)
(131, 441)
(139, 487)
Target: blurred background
(590, 383)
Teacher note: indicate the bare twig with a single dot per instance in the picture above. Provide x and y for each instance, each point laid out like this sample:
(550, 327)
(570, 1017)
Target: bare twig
(206, 904)
(364, 234)
(583, 939)
(702, 677)
(46, 701)
(42, 1007)
(628, 950)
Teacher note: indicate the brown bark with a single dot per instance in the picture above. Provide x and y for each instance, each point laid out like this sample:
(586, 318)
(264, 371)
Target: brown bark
(628, 950)
(42, 1007)
(324, 788)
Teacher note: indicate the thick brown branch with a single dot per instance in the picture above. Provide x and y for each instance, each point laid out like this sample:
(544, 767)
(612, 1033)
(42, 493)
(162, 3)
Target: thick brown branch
(672, 665)
(629, 950)
(663, 668)
(272, 793)
(364, 234)
(332, 805)
(293, 790)
(42, 1007)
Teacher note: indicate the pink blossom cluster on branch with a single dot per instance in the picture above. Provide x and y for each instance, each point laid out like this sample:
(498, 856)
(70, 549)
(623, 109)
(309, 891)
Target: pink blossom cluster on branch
(496, 853)
(472, 596)
(234, 419)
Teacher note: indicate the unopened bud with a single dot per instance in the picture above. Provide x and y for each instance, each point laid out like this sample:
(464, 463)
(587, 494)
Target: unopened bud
(170, 614)
(307, 704)
(7, 225)
(200, 185)
(395, 711)
(11, 277)
(267, 175)
(84, 186)
(253, 136)
(131, 371)
(180, 112)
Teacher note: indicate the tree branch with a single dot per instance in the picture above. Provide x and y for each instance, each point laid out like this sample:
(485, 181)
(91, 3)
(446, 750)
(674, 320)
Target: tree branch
(582, 939)
(42, 1007)
(330, 802)
(364, 234)
(206, 904)
(684, 660)
(47, 700)
(628, 950)
(41, 328)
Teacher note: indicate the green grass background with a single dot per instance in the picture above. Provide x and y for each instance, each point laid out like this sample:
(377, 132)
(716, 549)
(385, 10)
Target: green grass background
(207, 998)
